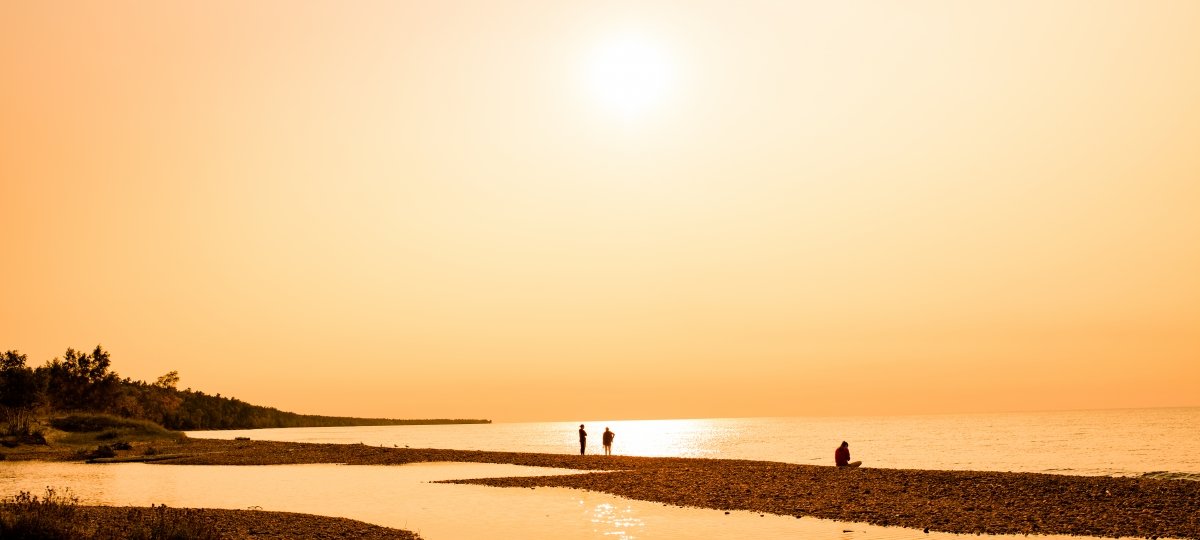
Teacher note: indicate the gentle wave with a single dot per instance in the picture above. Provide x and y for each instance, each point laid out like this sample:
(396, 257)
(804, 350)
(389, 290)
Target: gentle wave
(1168, 475)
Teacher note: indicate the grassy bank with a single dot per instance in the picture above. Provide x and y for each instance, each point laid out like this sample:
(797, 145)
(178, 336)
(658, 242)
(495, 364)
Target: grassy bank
(89, 436)
(98, 429)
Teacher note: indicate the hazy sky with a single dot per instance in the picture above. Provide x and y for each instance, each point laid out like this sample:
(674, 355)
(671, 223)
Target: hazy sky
(582, 210)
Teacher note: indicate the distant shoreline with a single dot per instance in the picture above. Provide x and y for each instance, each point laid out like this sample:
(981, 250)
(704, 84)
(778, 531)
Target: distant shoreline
(312, 421)
(948, 501)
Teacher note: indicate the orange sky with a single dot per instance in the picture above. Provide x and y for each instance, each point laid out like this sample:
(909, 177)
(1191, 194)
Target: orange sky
(439, 209)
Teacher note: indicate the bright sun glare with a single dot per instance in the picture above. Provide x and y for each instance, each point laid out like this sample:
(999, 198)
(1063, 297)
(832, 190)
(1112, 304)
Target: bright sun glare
(629, 74)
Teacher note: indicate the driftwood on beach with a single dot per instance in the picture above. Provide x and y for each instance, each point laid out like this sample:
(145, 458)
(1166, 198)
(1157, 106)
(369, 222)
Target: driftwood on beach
(950, 501)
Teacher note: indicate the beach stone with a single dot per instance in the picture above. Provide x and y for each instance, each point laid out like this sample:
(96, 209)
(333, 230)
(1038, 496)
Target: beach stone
(925, 500)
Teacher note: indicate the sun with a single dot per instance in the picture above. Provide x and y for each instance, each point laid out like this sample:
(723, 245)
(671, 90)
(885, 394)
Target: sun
(629, 74)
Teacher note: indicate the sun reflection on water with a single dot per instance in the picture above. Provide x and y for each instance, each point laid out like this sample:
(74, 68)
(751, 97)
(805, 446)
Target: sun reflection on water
(694, 438)
(615, 521)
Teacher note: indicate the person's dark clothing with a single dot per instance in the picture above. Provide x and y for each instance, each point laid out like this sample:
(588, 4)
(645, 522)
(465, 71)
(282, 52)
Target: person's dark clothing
(608, 437)
(841, 456)
(582, 441)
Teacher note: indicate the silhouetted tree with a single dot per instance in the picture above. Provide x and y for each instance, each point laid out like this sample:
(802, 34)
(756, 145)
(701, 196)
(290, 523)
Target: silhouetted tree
(22, 392)
(161, 400)
(82, 381)
(168, 381)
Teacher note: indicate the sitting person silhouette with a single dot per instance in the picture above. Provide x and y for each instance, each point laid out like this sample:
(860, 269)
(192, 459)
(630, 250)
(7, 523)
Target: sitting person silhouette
(841, 456)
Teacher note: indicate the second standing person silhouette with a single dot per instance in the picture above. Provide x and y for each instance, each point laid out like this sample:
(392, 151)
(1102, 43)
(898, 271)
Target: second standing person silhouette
(607, 440)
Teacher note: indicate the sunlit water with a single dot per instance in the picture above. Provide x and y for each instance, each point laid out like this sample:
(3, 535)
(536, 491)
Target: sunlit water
(1127, 442)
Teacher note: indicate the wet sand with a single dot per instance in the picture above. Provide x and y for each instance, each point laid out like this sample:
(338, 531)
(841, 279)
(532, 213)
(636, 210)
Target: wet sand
(949, 501)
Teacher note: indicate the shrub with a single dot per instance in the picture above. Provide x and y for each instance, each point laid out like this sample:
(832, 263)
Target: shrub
(58, 517)
(161, 523)
(14, 441)
(102, 452)
(52, 517)
(37, 436)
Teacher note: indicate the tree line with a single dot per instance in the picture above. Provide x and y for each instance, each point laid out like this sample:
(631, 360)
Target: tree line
(84, 382)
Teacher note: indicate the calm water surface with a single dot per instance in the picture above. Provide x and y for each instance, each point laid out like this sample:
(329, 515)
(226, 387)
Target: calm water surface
(1116, 442)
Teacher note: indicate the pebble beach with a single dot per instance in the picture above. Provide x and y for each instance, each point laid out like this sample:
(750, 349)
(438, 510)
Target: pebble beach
(949, 501)
(257, 524)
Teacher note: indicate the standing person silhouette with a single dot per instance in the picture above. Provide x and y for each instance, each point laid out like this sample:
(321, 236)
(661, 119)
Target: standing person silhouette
(582, 440)
(841, 457)
(607, 440)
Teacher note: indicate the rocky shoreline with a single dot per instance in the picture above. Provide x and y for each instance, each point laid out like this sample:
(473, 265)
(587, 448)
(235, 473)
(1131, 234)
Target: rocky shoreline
(948, 501)
(255, 524)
